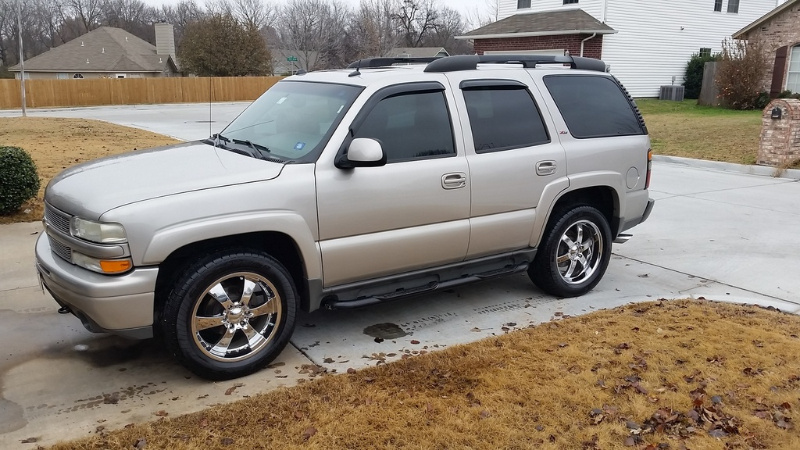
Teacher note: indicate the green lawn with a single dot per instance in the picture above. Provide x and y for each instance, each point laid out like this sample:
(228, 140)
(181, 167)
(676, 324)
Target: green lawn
(702, 132)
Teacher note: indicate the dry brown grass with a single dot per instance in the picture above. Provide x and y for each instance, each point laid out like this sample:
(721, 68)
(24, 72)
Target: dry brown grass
(713, 375)
(55, 144)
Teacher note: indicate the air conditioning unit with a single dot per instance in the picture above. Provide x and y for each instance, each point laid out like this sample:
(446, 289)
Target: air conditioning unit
(674, 93)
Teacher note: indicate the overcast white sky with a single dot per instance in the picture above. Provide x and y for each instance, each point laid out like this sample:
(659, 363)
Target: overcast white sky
(465, 7)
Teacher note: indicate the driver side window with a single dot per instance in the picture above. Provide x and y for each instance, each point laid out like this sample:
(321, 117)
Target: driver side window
(411, 126)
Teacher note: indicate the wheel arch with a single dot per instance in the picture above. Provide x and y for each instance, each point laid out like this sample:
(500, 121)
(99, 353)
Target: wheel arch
(279, 245)
(604, 197)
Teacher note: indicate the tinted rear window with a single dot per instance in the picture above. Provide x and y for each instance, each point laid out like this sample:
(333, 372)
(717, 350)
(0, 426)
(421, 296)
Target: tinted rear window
(503, 118)
(593, 106)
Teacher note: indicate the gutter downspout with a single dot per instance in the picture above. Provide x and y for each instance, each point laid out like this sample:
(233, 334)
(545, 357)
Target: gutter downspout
(583, 41)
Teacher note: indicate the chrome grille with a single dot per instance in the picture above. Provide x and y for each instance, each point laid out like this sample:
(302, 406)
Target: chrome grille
(57, 219)
(60, 249)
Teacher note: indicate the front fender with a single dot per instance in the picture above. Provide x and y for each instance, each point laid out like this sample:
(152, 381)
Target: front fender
(170, 239)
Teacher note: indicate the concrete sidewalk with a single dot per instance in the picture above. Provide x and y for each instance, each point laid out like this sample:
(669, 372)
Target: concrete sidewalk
(713, 234)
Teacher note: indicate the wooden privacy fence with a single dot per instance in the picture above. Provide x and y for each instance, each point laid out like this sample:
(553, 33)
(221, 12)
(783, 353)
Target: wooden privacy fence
(131, 91)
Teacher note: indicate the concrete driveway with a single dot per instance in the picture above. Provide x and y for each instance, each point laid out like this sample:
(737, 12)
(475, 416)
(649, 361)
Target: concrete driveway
(713, 234)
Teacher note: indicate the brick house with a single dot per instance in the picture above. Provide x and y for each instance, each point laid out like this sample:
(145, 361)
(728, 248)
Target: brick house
(646, 43)
(780, 31)
(550, 32)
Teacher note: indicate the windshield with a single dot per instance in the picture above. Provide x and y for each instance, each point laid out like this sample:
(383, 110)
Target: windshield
(292, 121)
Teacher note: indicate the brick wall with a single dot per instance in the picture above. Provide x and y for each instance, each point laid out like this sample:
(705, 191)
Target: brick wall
(592, 48)
(782, 30)
(780, 138)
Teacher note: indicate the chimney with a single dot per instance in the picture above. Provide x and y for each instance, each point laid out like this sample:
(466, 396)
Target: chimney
(165, 39)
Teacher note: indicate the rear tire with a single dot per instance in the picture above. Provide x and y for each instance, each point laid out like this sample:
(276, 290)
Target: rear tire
(574, 254)
(229, 314)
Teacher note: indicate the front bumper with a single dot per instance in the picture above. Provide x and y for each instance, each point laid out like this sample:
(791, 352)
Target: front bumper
(122, 305)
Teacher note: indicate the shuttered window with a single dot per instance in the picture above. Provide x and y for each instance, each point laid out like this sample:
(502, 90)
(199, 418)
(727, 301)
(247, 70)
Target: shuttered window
(793, 79)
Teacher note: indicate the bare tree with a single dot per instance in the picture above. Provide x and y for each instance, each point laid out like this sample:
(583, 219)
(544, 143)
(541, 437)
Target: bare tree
(372, 31)
(255, 13)
(86, 14)
(313, 30)
(180, 16)
(416, 19)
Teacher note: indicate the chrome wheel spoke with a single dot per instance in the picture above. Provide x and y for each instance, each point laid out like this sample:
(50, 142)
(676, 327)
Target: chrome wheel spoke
(205, 323)
(253, 336)
(220, 295)
(221, 348)
(267, 308)
(567, 241)
(570, 270)
(247, 291)
(579, 238)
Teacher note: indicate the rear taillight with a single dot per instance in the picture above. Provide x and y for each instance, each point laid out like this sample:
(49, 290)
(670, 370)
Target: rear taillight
(649, 167)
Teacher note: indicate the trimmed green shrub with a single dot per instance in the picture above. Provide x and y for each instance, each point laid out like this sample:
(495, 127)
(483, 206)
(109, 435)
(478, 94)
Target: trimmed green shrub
(762, 100)
(693, 80)
(19, 181)
(789, 94)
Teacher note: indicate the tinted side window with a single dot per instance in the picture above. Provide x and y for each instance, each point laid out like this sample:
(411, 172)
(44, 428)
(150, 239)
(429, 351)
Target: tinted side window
(411, 126)
(503, 118)
(593, 106)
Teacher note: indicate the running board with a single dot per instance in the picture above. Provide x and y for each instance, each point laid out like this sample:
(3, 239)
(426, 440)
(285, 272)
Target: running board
(425, 281)
(623, 238)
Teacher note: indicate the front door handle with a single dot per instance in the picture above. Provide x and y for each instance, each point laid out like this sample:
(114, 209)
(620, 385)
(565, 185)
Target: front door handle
(544, 168)
(456, 180)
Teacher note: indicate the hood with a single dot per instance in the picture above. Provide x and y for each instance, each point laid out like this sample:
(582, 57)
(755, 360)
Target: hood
(93, 188)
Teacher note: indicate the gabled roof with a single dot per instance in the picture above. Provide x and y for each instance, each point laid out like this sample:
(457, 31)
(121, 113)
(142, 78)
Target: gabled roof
(765, 18)
(105, 49)
(417, 52)
(546, 23)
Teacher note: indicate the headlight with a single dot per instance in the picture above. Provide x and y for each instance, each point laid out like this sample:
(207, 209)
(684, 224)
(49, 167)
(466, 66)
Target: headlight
(107, 266)
(102, 233)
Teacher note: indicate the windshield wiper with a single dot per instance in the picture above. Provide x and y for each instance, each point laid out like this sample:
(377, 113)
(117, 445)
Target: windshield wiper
(264, 151)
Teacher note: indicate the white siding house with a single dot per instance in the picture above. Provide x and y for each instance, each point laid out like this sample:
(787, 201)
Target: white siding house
(653, 39)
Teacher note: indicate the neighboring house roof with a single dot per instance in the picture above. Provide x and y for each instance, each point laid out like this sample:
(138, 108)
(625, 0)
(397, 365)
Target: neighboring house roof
(741, 34)
(546, 23)
(105, 49)
(418, 52)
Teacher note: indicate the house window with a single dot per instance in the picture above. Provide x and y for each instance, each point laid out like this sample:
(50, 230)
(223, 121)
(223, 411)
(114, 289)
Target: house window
(793, 78)
(733, 6)
(718, 5)
(62, 76)
(705, 52)
(567, 2)
(521, 4)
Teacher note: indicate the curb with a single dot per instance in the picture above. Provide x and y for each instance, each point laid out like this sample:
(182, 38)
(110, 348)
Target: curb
(763, 171)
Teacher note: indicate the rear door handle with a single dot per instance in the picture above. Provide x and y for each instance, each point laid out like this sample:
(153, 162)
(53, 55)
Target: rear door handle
(456, 180)
(544, 168)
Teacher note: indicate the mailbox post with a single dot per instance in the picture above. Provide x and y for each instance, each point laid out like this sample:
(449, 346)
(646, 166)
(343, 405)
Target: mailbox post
(780, 133)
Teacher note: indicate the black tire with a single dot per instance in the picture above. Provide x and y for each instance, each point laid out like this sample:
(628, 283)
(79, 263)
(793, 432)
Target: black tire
(214, 328)
(569, 265)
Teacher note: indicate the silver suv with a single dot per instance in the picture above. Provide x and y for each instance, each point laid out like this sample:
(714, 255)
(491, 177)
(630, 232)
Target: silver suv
(344, 188)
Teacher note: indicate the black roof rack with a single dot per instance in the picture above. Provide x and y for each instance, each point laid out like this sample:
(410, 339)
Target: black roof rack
(387, 62)
(470, 62)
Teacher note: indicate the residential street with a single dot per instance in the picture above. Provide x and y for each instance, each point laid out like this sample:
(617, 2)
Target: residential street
(713, 234)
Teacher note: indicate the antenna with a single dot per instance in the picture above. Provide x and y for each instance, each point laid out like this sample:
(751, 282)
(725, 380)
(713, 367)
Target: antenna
(210, 95)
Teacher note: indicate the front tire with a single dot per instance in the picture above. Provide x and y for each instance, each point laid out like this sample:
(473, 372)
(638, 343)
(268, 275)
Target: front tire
(575, 253)
(230, 314)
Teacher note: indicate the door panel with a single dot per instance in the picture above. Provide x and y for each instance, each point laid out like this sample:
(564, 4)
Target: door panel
(408, 214)
(508, 134)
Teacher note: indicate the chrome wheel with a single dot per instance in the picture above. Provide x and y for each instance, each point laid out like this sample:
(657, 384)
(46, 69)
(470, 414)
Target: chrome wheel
(579, 252)
(236, 317)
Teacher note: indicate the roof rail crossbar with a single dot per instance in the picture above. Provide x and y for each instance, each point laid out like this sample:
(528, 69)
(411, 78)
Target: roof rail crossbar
(387, 62)
(470, 62)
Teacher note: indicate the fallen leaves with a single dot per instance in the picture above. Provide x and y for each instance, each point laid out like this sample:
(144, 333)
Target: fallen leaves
(230, 390)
